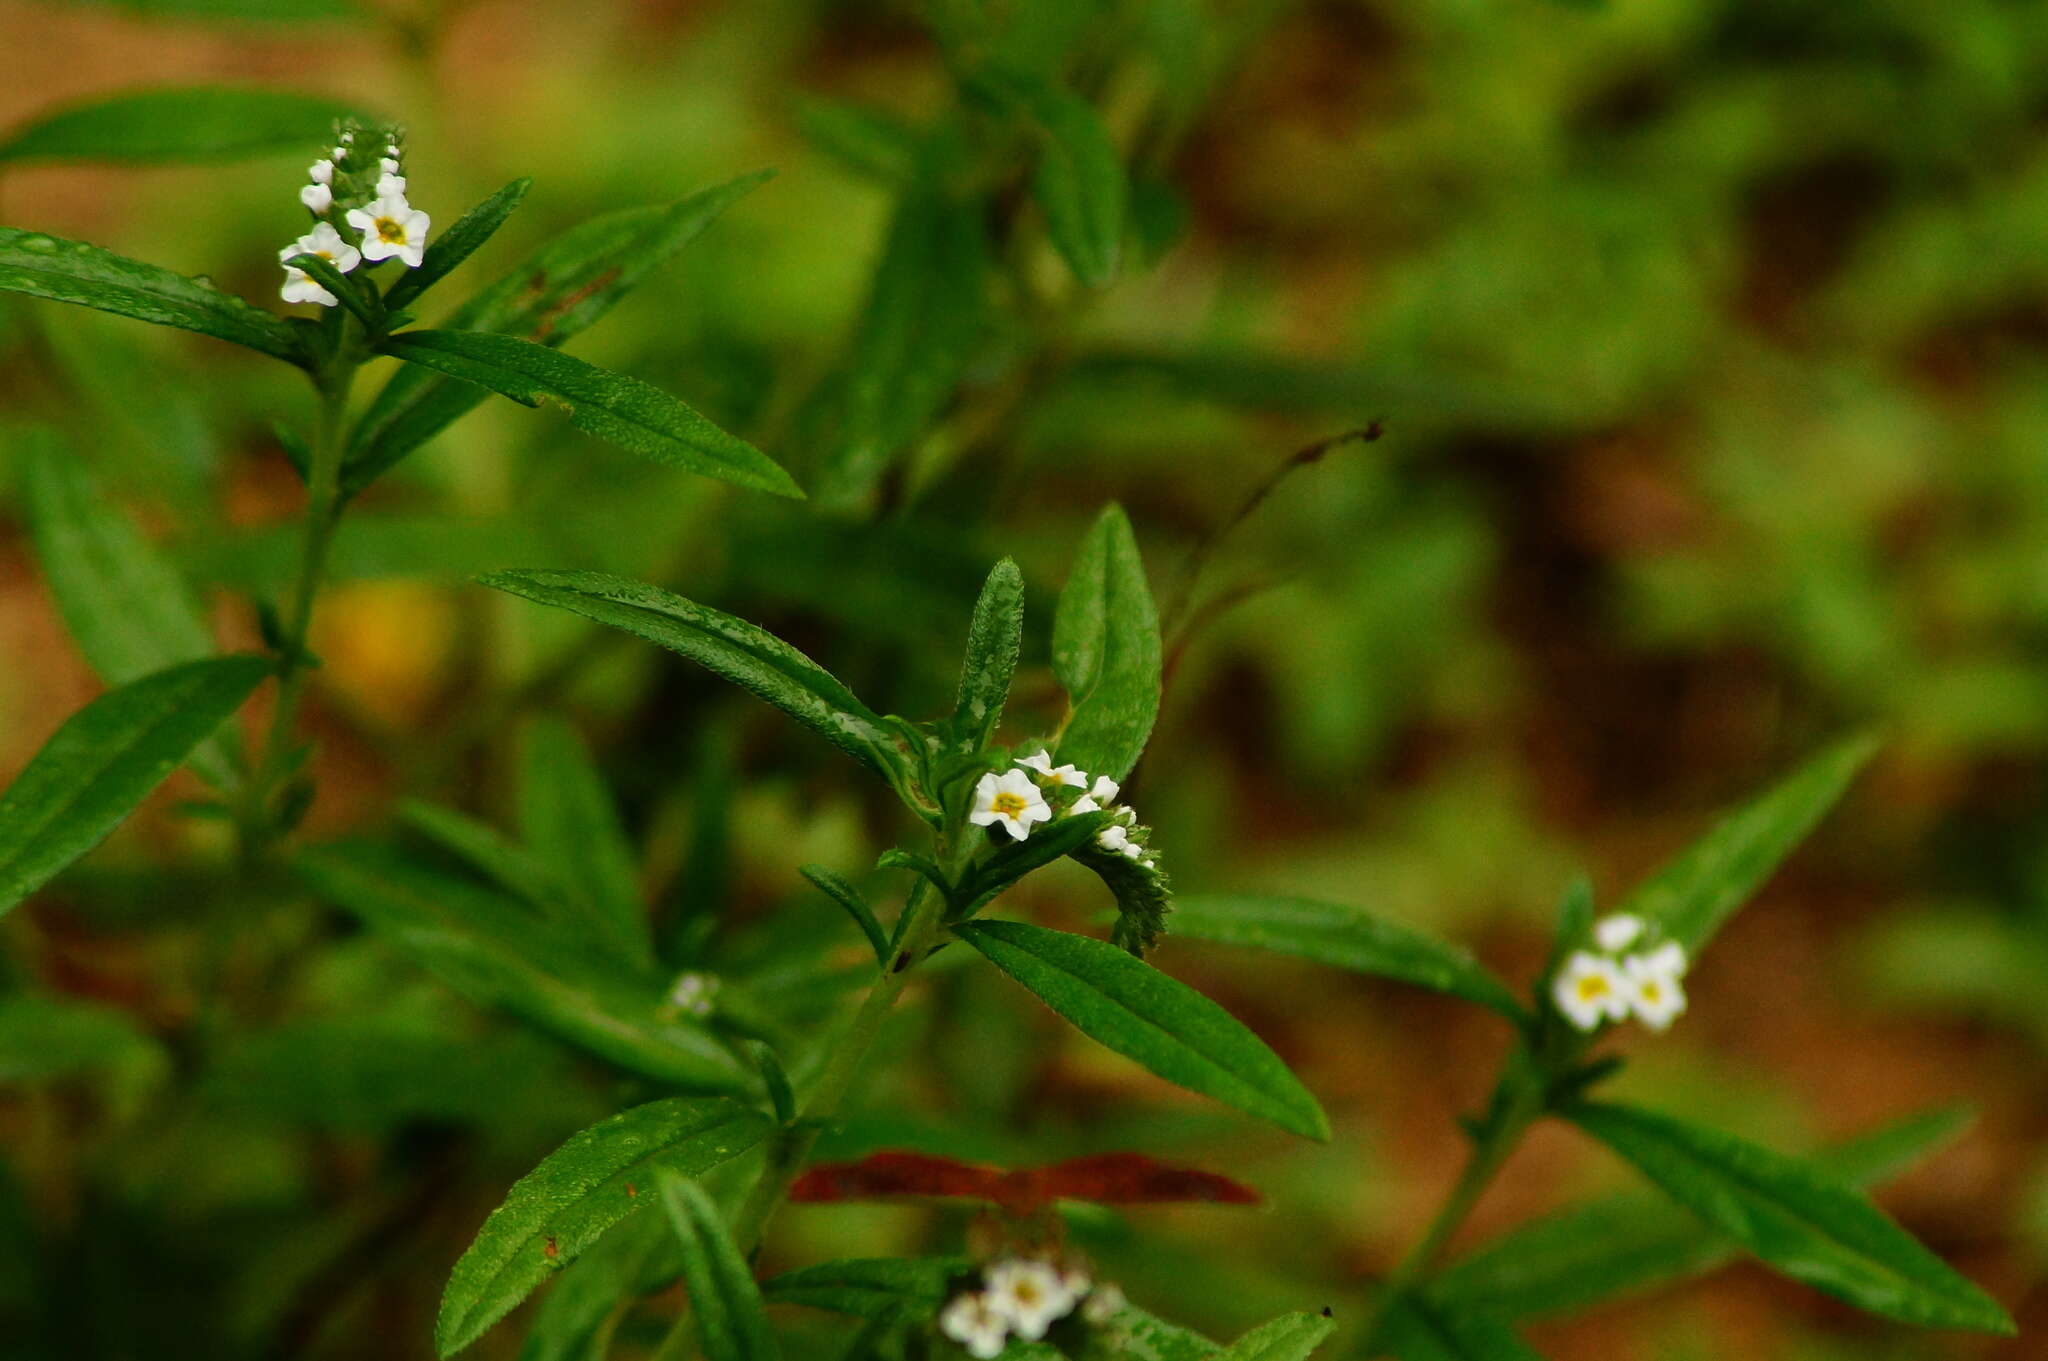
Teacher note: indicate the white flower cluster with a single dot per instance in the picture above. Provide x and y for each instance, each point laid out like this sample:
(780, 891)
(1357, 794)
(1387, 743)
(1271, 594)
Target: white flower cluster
(1024, 1296)
(1612, 985)
(1015, 800)
(694, 993)
(390, 226)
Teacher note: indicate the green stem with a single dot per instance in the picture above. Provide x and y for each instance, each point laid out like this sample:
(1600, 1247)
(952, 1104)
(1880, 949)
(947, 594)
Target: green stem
(791, 1145)
(323, 512)
(1517, 1101)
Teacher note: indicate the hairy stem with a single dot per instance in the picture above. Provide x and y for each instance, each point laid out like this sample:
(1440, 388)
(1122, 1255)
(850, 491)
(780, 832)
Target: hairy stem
(323, 512)
(1517, 1102)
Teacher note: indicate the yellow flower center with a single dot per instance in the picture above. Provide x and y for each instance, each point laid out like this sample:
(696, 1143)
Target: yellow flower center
(390, 229)
(1025, 1293)
(1008, 804)
(1592, 988)
(1651, 992)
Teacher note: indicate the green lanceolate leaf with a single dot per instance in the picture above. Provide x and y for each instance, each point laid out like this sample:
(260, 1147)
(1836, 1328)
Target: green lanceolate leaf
(583, 1188)
(1081, 185)
(1106, 651)
(1796, 1217)
(106, 759)
(128, 608)
(749, 657)
(569, 820)
(490, 853)
(193, 123)
(1291, 1337)
(1147, 1337)
(1624, 1244)
(493, 951)
(725, 1304)
(1418, 1327)
(915, 338)
(549, 297)
(1159, 1022)
(1345, 938)
(890, 1289)
(631, 414)
(637, 1257)
(994, 637)
(1692, 895)
(457, 244)
(863, 138)
(45, 266)
(840, 890)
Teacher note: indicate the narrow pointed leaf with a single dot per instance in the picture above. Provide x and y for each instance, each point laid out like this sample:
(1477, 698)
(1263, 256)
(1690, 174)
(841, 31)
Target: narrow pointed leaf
(129, 610)
(749, 657)
(1627, 1243)
(1291, 1337)
(840, 890)
(916, 336)
(599, 1177)
(631, 414)
(570, 822)
(994, 637)
(45, 266)
(892, 1289)
(1153, 1019)
(187, 123)
(457, 244)
(1692, 895)
(1345, 938)
(553, 294)
(1796, 1217)
(1106, 651)
(490, 853)
(725, 1304)
(636, 1258)
(106, 759)
(493, 951)
(1081, 185)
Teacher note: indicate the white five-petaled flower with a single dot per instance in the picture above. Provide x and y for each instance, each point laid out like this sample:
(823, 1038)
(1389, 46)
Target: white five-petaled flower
(321, 172)
(1591, 989)
(1030, 1295)
(1656, 995)
(975, 1323)
(326, 243)
(693, 993)
(391, 226)
(1009, 799)
(1114, 838)
(1057, 777)
(1616, 933)
(317, 197)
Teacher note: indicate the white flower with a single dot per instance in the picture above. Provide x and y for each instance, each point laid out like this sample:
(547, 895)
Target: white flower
(317, 197)
(1084, 804)
(1590, 989)
(1104, 1304)
(1616, 933)
(1667, 959)
(390, 186)
(326, 243)
(1657, 997)
(340, 153)
(1055, 776)
(299, 287)
(693, 992)
(1010, 799)
(321, 172)
(974, 1323)
(1103, 790)
(1113, 838)
(388, 163)
(1132, 850)
(1127, 815)
(1029, 1295)
(391, 226)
